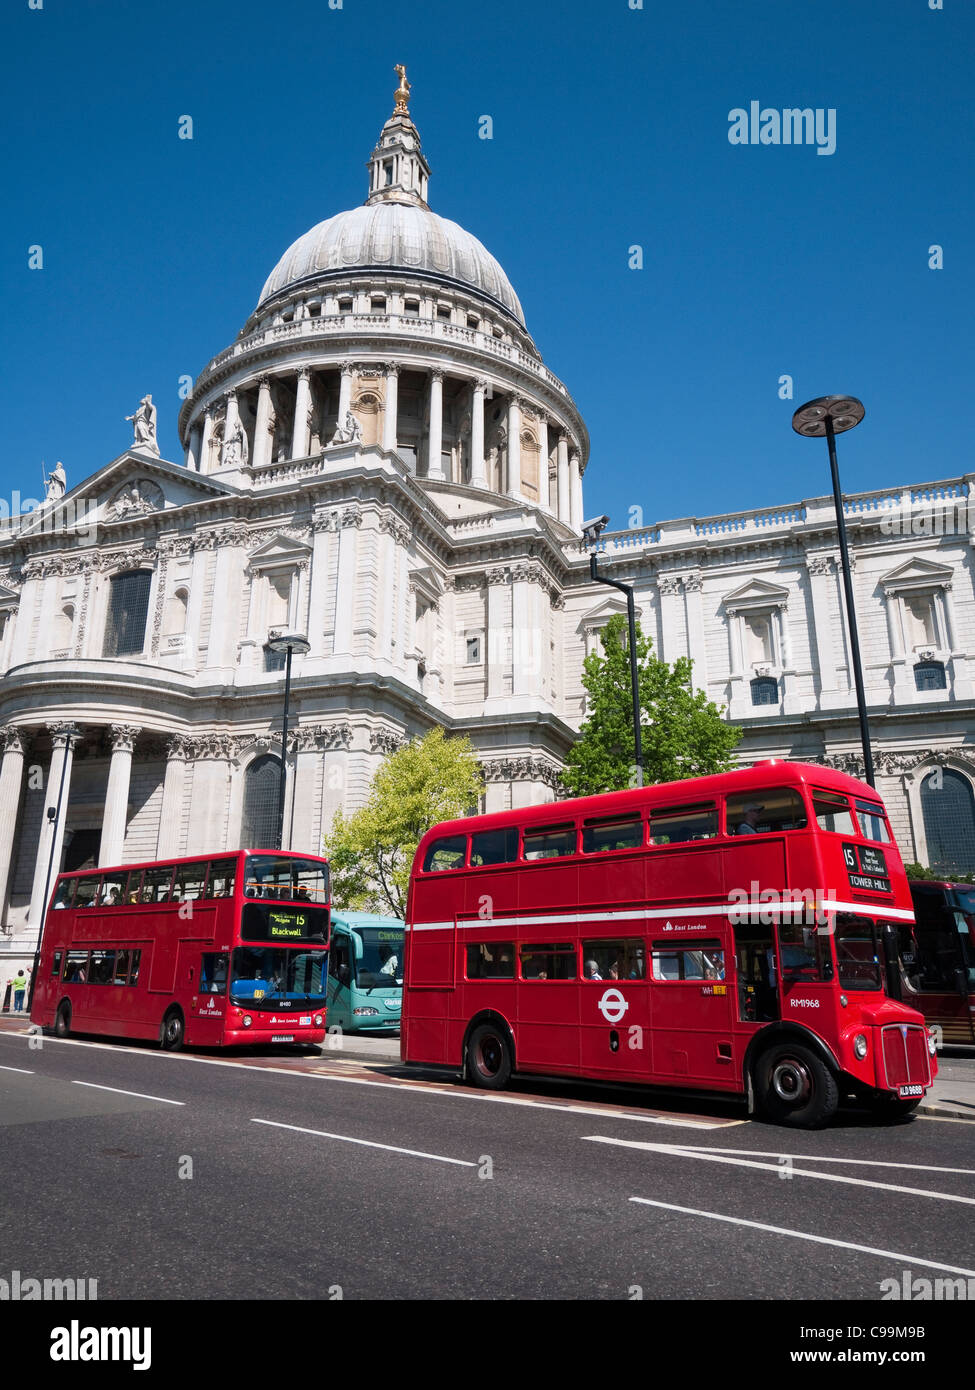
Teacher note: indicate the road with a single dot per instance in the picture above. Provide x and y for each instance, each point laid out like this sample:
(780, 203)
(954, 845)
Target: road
(193, 1177)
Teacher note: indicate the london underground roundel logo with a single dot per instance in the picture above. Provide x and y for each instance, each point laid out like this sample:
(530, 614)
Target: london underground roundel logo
(612, 1006)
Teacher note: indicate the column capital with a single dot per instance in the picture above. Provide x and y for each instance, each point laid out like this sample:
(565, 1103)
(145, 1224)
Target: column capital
(264, 381)
(230, 394)
(123, 736)
(177, 748)
(480, 383)
(437, 373)
(303, 373)
(391, 368)
(63, 733)
(14, 739)
(347, 367)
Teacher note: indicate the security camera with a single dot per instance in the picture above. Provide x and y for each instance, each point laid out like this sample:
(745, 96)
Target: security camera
(591, 529)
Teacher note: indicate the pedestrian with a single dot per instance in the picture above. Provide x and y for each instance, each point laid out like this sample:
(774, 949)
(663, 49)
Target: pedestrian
(20, 989)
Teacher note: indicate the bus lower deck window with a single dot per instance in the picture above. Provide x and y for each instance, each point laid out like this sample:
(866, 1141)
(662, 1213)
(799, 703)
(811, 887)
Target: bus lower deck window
(548, 962)
(493, 960)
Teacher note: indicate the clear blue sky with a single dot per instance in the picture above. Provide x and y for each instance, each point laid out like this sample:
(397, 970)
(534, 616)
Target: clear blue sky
(610, 129)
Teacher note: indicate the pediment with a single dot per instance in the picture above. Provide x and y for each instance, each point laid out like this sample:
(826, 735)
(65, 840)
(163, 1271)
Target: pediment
(600, 615)
(756, 593)
(917, 573)
(279, 549)
(8, 596)
(427, 582)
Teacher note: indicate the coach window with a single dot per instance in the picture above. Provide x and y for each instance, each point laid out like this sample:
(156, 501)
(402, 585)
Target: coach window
(681, 823)
(86, 892)
(56, 965)
(494, 847)
(113, 886)
(101, 968)
(448, 853)
(548, 962)
(494, 960)
(134, 968)
(76, 968)
(64, 891)
(220, 883)
(600, 836)
(832, 812)
(614, 960)
(132, 888)
(704, 960)
(765, 810)
(189, 881)
(156, 884)
(552, 842)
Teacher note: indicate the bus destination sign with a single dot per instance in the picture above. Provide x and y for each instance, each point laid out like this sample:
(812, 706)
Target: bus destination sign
(866, 868)
(286, 924)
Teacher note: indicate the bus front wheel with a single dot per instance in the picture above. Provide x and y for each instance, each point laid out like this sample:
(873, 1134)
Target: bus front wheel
(171, 1032)
(795, 1087)
(489, 1062)
(62, 1024)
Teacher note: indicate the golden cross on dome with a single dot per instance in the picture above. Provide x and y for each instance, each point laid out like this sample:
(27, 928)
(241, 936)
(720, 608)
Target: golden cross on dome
(402, 92)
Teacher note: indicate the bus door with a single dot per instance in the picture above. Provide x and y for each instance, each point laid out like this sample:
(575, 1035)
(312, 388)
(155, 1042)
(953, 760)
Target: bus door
(207, 971)
(338, 1007)
(757, 998)
(940, 978)
(691, 1009)
(614, 1009)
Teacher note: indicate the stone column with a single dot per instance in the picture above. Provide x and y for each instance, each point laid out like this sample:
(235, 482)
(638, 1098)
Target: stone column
(262, 425)
(392, 406)
(435, 446)
(345, 395)
(123, 738)
(821, 589)
(575, 493)
(514, 447)
(563, 467)
(193, 454)
(694, 618)
(543, 501)
(171, 813)
(498, 633)
(231, 419)
(14, 743)
(205, 440)
(64, 737)
(318, 620)
(345, 580)
(299, 435)
(228, 583)
(478, 474)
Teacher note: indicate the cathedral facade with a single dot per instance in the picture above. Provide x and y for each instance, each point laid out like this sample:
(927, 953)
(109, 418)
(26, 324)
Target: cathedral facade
(382, 464)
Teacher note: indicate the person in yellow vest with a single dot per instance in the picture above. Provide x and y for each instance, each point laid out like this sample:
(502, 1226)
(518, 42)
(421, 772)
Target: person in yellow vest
(19, 990)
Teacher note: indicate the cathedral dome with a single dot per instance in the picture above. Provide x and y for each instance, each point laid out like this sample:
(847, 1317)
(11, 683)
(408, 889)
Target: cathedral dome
(387, 235)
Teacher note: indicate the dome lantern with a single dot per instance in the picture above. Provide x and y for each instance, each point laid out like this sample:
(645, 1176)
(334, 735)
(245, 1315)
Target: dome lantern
(398, 172)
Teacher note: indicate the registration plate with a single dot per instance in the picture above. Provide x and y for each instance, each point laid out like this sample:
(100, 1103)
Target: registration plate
(282, 1037)
(911, 1091)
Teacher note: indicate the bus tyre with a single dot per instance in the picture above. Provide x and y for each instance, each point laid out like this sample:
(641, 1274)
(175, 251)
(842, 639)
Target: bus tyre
(794, 1087)
(489, 1062)
(171, 1032)
(62, 1023)
(891, 1110)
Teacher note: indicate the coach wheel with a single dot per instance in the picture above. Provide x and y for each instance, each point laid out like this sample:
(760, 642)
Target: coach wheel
(62, 1024)
(891, 1110)
(489, 1062)
(171, 1032)
(794, 1087)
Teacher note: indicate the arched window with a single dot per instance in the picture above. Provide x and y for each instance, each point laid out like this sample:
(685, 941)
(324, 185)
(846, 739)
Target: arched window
(63, 628)
(262, 784)
(175, 621)
(765, 691)
(948, 808)
(930, 675)
(128, 609)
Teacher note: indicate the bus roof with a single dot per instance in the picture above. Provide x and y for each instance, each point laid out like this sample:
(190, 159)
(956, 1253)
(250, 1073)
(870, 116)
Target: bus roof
(770, 773)
(187, 859)
(355, 920)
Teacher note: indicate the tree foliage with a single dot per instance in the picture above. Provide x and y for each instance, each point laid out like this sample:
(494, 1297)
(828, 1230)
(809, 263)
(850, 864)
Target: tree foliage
(684, 733)
(371, 851)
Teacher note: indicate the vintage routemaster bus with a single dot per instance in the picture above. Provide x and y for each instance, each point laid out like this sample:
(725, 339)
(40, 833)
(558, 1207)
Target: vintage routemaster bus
(212, 951)
(732, 933)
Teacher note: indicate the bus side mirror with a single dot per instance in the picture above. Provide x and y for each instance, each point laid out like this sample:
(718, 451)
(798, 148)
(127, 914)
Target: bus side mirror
(961, 980)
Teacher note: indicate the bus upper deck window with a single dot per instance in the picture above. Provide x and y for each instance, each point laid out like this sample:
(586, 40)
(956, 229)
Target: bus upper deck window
(766, 810)
(873, 824)
(550, 842)
(86, 891)
(494, 847)
(680, 823)
(64, 892)
(447, 853)
(601, 836)
(832, 812)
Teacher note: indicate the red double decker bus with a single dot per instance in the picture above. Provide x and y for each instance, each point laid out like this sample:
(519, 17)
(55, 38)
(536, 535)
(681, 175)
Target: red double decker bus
(211, 951)
(732, 933)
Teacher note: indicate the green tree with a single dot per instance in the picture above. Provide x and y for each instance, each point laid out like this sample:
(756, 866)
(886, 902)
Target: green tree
(684, 734)
(371, 851)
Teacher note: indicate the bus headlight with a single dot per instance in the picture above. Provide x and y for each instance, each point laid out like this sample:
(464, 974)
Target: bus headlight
(247, 1020)
(932, 1042)
(365, 1013)
(319, 1021)
(860, 1046)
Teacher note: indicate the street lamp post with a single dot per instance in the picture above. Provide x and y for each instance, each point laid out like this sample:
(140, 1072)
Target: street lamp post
(288, 642)
(830, 416)
(590, 531)
(54, 819)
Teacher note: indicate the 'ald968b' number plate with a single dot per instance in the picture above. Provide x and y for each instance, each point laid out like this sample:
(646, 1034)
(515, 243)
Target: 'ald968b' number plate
(282, 1037)
(911, 1091)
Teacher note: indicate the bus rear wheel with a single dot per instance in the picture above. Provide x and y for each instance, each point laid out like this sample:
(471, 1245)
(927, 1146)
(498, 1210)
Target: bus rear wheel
(62, 1023)
(171, 1032)
(489, 1061)
(795, 1087)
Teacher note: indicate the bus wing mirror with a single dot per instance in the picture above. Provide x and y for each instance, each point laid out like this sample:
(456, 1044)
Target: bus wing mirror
(961, 979)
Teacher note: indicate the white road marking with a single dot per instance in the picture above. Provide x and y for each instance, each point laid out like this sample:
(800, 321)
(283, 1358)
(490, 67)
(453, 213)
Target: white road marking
(119, 1092)
(909, 1260)
(367, 1143)
(708, 1157)
(23, 1070)
(811, 1158)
